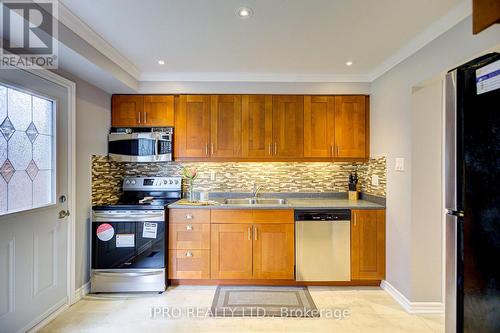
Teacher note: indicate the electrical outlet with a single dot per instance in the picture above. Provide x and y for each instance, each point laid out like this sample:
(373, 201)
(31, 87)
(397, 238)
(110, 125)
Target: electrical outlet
(375, 180)
(213, 175)
(400, 164)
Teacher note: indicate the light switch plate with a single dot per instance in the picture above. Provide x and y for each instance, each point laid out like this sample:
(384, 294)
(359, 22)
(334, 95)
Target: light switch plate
(375, 180)
(400, 164)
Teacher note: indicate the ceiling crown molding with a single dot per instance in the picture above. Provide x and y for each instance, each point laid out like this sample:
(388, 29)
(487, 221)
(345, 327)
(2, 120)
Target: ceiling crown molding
(436, 29)
(80, 28)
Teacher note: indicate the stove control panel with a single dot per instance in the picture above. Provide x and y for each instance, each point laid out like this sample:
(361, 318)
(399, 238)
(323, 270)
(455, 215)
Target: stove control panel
(152, 183)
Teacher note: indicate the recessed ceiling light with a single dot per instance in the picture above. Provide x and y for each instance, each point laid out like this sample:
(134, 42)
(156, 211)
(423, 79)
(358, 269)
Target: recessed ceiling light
(245, 12)
(349, 63)
(161, 62)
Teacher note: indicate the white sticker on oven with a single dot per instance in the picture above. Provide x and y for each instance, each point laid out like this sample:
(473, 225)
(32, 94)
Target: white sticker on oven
(149, 230)
(105, 232)
(488, 78)
(125, 240)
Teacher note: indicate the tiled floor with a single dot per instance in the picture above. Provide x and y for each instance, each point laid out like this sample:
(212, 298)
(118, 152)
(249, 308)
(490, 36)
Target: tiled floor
(371, 309)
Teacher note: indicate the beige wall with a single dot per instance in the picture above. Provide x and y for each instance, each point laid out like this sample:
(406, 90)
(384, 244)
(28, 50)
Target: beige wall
(391, 134)
(92, 125)
(426, 192)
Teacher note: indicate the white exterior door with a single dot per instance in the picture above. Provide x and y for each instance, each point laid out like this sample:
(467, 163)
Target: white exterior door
(34, 199)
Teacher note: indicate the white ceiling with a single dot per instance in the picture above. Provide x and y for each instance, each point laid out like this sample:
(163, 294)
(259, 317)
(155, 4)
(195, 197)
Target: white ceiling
(286, 39)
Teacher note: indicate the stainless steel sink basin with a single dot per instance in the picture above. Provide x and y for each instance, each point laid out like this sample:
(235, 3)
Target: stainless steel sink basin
(256, 201)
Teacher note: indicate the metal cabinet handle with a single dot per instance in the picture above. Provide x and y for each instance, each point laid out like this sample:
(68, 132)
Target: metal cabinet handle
(255, 233)
(211, 149)
(139, 114)
(189, 254)
(354, 216)
(189, 217)
(189, 227)
(275, 148)
(145, 117)
(338, 150)
(249, 233)
(270, 153)
(206, 149)
(331, 151)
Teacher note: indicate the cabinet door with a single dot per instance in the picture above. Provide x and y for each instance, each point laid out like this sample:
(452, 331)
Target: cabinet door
(159, 111)
(257, 126)
(127, 111)
(319, 128)
(192, 126)
(231, 251)
(273, 251)
(368, 245)
(351, 127)
(288, 126)
(225, 126)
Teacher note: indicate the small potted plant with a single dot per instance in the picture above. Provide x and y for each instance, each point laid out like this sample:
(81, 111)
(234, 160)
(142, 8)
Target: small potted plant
(190, 174)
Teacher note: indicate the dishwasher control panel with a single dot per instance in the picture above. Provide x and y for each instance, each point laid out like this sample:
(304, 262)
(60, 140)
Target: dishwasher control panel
(323, 215)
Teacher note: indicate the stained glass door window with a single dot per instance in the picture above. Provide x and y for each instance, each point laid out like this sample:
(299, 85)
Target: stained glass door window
(27, 139)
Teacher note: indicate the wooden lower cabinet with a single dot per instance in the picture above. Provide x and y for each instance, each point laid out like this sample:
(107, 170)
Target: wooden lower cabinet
(231, 251)
(273, 251)
(189, 264)
(185, 236)
(368, 245)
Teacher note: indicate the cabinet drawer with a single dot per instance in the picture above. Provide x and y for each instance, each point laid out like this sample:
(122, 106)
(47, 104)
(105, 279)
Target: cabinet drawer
(183, 236)
(273, 216)
(189, 264)
(232, 216)
(189, 215)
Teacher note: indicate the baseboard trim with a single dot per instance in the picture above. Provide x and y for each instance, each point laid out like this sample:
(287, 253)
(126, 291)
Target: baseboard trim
(412, 307)
(82, 291)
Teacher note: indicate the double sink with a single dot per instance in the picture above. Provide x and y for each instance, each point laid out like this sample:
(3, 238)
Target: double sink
(256, 201)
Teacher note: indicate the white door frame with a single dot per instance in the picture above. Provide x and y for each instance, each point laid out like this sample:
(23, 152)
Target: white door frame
(71, 91)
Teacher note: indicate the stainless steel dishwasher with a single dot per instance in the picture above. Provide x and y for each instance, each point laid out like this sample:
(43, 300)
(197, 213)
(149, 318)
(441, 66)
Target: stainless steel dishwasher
(322, 245)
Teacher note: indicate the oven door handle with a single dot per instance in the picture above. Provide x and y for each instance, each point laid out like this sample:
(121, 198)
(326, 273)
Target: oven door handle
(127, 217)
(126, 273)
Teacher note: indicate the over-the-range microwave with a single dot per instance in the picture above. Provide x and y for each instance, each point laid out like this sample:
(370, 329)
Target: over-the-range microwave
(140, 144)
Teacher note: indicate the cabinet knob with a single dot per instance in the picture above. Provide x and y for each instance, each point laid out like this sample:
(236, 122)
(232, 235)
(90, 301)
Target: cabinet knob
(189, 254)
(189, 227)
(189, 217)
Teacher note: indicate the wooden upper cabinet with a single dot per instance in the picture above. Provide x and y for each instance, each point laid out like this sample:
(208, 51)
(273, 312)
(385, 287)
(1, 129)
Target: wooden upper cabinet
(158, 111)
(225, 126)
(288, 126)
(192, 126)
(127, 110)
(273, 252)
(368, 245)
(231, 251)
(257, 126)
(351, 121)
(319, 126)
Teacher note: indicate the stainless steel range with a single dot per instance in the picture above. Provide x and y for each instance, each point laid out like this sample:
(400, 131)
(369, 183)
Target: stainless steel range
(129, 238)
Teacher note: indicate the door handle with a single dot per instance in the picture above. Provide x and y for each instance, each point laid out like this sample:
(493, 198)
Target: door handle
(270, 153)
(139, 115)
(249, 233)
(338, 150)
(354, 219)
(206, 149)
(331, 151)
(145, 117)
(255, 233)
(275, 148)
(63, 214)
(212, 149)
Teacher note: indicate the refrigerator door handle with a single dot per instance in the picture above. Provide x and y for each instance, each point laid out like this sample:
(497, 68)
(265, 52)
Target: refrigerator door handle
(450, 163)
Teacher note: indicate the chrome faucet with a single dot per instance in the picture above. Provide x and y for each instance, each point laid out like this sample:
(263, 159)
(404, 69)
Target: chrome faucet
(256, 190)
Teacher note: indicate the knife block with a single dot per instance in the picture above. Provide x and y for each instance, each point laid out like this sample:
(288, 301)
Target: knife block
(353, 195)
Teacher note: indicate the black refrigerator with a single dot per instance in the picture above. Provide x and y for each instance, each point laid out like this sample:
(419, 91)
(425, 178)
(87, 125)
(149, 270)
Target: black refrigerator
(472, 196)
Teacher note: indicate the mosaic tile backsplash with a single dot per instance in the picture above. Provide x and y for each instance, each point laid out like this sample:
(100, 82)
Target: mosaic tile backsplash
(240, 176)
